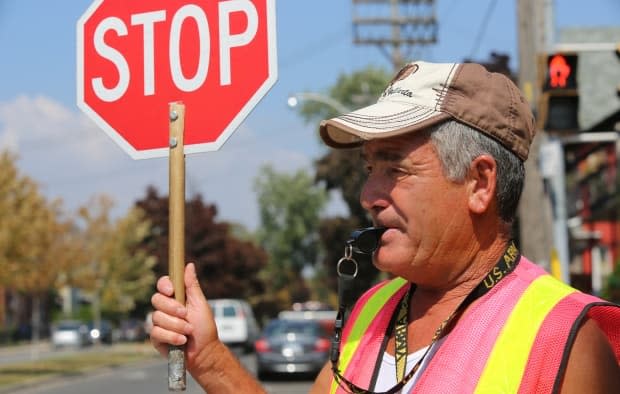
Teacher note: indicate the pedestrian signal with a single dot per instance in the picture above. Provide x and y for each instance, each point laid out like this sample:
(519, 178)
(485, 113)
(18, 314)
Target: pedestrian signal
(561, 72)
(558, 108)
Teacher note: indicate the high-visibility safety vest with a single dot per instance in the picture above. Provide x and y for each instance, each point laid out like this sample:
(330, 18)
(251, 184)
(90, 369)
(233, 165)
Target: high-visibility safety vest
(514, 339)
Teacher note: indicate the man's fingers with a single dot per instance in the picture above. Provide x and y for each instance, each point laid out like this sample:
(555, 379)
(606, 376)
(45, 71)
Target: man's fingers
(162, 339)
(171, 323)
(168, 306)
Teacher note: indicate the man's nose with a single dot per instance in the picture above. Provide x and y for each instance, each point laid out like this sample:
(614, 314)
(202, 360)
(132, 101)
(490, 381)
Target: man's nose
(373, 196)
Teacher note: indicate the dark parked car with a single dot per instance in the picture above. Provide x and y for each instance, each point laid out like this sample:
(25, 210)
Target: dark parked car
(132, 330)
(291, 346)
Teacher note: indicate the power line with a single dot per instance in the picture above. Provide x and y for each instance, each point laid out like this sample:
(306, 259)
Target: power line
(393, 25)
(483, 28)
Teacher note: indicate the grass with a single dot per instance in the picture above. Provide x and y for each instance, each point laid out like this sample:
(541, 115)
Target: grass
(73, 364)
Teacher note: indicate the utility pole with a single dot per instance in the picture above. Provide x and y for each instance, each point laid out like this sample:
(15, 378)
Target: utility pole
(535, 29)
(394, 25)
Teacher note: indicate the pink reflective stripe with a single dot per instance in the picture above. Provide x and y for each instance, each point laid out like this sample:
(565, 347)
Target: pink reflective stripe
(357, 309)
(542, 366)
(459, 362)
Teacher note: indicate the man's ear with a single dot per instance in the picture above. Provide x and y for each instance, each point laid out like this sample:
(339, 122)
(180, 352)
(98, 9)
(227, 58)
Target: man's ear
(482, 182)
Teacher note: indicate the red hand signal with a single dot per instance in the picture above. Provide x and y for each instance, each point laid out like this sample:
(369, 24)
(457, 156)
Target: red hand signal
(559, 71)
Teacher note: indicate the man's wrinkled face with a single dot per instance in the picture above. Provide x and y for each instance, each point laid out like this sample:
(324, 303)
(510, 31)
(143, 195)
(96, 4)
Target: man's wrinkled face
(407, 192)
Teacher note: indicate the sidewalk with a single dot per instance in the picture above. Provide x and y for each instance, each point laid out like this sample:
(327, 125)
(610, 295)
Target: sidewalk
(25, 351)
(26, 365)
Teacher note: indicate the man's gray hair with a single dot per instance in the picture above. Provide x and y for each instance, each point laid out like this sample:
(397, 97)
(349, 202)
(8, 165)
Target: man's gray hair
(458, 144)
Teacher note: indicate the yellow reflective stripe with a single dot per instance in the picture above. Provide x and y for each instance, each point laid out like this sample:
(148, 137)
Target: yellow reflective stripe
(370, 309)
(506, 364)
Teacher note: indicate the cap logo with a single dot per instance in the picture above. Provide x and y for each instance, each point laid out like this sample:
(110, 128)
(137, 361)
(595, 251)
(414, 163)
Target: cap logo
(404, 72)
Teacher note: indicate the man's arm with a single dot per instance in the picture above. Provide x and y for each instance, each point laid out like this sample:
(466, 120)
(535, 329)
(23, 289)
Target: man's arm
(323, 380)
(592, 366)
(224, 374)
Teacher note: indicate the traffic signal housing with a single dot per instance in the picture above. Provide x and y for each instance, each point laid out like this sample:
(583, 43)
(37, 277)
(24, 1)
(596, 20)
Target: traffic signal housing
(618, 56)
(558, 108)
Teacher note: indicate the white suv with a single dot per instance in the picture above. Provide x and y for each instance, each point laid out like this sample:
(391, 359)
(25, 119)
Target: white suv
(235, 322)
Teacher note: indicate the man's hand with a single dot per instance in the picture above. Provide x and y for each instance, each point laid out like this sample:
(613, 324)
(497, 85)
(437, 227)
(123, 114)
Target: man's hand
(175, 324)
(209, 361)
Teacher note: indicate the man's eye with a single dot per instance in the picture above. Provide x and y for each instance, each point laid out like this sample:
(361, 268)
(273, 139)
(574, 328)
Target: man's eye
(395, 171)
(368, 169)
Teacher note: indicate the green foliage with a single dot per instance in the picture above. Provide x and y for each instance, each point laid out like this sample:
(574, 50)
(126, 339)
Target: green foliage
(611, 292)
(353, 91)
(31, 232)
(112, 270)
(82, 312)
(290, 206)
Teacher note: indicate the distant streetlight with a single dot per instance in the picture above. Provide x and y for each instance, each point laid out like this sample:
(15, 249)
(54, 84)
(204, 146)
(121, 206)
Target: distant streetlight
(293, 101)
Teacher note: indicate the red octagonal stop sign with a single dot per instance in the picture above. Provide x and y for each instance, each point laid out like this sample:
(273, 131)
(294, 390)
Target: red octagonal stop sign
(135, 57)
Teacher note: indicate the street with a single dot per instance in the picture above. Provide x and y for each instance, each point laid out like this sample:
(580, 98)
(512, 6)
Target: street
(148, 378)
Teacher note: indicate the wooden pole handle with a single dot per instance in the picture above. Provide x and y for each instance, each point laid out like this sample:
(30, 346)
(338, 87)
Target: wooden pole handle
(176, 235)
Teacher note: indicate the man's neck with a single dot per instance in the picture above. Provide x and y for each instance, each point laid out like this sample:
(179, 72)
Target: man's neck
(451, 293)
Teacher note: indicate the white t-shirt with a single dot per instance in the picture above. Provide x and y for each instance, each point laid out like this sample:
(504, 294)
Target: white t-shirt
(387, 371)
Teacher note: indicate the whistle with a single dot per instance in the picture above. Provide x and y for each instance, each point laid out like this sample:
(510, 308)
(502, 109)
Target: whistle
(366, 240)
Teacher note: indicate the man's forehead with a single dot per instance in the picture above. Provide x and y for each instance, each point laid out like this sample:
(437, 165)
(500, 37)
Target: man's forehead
(392, 149)
(383, 153)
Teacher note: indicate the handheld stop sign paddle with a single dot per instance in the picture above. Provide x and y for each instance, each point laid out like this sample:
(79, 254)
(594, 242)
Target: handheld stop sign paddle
(166, 78)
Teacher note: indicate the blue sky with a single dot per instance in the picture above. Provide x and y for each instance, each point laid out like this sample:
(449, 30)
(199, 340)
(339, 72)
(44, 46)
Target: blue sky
(74, 160)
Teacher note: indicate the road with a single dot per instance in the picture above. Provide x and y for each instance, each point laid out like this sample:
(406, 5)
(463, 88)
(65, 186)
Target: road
(148, 378)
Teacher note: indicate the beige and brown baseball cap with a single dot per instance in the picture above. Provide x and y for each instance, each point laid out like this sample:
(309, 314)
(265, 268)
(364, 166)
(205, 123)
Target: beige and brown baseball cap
(424, 94)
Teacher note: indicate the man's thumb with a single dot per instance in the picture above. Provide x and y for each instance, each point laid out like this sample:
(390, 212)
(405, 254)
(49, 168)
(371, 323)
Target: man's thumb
(192, 285)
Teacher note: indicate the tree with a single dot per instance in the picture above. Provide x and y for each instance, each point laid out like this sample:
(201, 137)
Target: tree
(289, 208)
(31, 238)
(226, 266)
(343, 170)
(611, 292)
(113, 270)
(354, 90)
(26, 227)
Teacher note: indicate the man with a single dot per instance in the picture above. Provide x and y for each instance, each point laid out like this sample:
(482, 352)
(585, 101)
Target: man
(444, 147)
